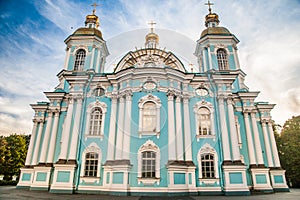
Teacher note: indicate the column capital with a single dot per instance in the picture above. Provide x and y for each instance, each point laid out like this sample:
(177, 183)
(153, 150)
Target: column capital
(50, 113)
(230, 101)
(170, 95)
(121, 99)
(178, 99)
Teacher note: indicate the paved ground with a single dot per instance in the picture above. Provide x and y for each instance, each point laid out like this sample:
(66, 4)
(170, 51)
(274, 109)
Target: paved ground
(10, 192)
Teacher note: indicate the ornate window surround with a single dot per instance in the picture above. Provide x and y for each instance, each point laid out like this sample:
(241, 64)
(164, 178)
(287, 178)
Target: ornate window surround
(92, 148)
(75, 52)
(149, 145)
(90, 108)
(142, 101)
(224, 61)
(205, 149)
(209, 106)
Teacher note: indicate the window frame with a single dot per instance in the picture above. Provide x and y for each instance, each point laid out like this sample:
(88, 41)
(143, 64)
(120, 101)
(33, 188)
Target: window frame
(149, 146)
(79, 62)
(90, 109)
(222, 59)
(206, 149)
(92, 148)
(209, 107)
(153, 99)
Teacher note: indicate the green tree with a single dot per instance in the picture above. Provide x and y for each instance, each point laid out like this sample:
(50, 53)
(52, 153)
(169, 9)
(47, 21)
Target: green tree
(13, 150)
(288, 143)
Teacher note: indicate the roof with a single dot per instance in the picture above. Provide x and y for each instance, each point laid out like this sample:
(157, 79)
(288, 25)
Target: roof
(215, 31)
(88, 32)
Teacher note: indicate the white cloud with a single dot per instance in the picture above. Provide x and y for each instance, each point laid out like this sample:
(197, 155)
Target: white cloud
(269, 49)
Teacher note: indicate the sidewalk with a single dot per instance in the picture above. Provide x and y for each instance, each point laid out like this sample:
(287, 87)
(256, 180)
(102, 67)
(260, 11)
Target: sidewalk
(10, 192)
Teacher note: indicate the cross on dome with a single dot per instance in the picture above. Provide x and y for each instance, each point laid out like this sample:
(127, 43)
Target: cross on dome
(95, 6)
(152, 23)
(209, 4)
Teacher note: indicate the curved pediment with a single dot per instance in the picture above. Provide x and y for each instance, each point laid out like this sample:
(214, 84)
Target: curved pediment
(150, 58)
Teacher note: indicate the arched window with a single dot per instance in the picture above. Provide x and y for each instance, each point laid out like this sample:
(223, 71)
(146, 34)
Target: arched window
(149, 117)
(95, 122)
(222, 59)
(204, 121)
(148, 164)
(79, 60)
(91, 164)
(99, 92)
(208, 166)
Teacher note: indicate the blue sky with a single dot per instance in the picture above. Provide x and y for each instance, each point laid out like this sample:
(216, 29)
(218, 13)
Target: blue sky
(32, 50)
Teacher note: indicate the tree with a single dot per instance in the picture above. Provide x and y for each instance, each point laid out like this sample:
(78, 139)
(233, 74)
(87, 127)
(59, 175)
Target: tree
(288, 143)
(13, 150)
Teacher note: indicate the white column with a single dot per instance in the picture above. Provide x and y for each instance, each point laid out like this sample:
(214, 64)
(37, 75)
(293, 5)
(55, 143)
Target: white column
(37, 143)
(267, 145)
(274, 146)
(112, 130)
(67, 58)
(179, 140)
(92, 58)
(120, 131)
(209, 58)
(66, 131)
(236, 58)
(127, 127)
(50, 157)
(76, 130)
(258, 149)
(225, 140)
(97, 63)
(204, 60)
(171, 128)
(249, 140)
(45, 142)
(187, 130)
(233, 134)
(30, 148)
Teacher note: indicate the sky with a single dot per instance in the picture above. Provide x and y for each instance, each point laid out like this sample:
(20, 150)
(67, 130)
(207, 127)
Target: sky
(32, 49)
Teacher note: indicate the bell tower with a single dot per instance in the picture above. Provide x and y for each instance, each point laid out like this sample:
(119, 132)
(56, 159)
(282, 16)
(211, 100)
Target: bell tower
(86, 48)
(217, 47)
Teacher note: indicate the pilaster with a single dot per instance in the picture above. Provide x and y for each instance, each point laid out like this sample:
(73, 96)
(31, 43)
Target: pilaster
(233, 133)
(50, 157)
(38, 142)
(127, 127)
(45, 142)
(267, 144)
(112, 129)
(171, 128)
(120, 130)
(187, 130)
(251, 151)
(179, 139)
(31, 147)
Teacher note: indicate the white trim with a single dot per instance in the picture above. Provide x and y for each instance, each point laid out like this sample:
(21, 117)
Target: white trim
(142, 101)
(209, 106)
(205, 149)
(149, 146)
(91, 106)
(92, 148)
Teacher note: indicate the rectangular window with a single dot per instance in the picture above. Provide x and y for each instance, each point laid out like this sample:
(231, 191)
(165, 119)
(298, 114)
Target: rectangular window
(148, 164)
(91, 164)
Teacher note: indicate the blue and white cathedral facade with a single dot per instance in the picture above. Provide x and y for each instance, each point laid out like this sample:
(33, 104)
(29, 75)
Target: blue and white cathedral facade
(151, 127)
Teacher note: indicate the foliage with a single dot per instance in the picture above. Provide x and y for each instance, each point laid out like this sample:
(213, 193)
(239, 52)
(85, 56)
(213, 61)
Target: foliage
(288, 143)
(13, 150)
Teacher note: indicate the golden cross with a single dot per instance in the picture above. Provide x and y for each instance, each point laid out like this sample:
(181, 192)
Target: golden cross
(94, 5)
(209, 4)
(152, 23)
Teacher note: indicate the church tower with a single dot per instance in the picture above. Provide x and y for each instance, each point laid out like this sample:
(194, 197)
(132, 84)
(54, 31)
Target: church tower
(86, 48)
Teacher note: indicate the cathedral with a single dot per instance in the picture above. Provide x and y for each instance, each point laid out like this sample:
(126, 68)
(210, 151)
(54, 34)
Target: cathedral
(151, 127)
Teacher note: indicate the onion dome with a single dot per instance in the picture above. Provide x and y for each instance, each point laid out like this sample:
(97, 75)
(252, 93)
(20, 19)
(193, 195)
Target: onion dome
(152, 39)
(212, 23)
(91, 26)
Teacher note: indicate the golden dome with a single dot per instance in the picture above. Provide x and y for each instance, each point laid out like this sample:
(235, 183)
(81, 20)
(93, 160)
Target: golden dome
(215, 31)
(92, 19)
(211, 17)
(88, 32)
(152, 36)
